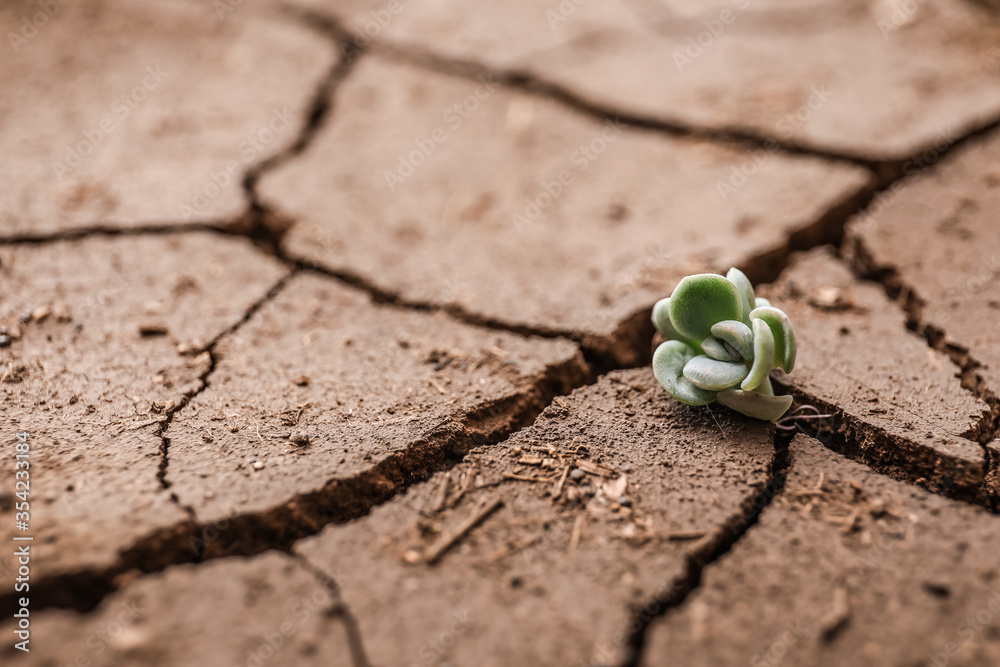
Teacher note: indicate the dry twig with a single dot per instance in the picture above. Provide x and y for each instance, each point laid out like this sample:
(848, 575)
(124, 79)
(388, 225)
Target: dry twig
(837, 617)
(574, 538)
(449, 540)
(557, 489)
(442, 494)
(523, 478)
(598, 469)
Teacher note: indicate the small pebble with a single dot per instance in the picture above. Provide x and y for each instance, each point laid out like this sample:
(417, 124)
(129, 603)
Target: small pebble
(577, 474)
(25, 317)
(185, 348)
(152, 329)
(4, 340)
(3, 331)
(299, 437)
(257, 465)
(302, 381)
(307, 644)
(624, 501)
(877, 507)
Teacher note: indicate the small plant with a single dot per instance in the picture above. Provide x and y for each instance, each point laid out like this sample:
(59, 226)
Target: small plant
(724, 343)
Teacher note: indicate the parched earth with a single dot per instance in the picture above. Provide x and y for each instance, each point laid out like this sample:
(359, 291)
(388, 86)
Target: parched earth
(328, 325)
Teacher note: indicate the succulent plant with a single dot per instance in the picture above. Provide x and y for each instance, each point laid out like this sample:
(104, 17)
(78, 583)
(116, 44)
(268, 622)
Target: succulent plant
(723, 344)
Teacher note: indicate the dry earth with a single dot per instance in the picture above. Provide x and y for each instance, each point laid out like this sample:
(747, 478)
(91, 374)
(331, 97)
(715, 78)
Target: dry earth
(328, 323)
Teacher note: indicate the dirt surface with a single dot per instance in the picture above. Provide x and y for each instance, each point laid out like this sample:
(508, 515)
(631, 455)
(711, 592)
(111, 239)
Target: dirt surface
(605, 499)
(992, 484)
(901, 402)
(934, 242)
(158, 112)
(355, 302)
(326, 395)
(846, 567)
(94, 374)
(505, 240)
(794, 73)
(269, 609)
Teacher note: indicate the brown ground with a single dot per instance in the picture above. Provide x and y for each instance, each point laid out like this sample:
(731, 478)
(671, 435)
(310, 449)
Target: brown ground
(329, 324)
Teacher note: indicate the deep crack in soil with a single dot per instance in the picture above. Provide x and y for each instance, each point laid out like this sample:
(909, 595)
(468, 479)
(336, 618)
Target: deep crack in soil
(262, 225)
(987, 427)
(870, 445)
(338, 501)
(863, 263)
(536, 85)
(709, 550)
(203, 381)
(912, 304)
(339, 609)
(103, 230)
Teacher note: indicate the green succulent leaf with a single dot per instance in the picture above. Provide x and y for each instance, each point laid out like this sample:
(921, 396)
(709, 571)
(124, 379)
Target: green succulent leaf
(765, 387)
(668, 367)
(700, 301)
(661, 319)
(724, 343)
(784, 335)
(763, 355)
(707, 373)
(756, 405)
(745, 288)
(736, 334)
(716, 349)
